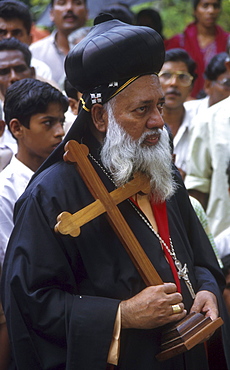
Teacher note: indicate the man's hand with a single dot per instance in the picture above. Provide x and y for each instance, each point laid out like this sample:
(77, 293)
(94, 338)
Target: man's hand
(206, 303)
(152, 307)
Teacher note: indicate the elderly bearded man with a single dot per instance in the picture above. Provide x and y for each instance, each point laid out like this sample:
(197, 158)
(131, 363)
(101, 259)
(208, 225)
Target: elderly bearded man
(79, 302)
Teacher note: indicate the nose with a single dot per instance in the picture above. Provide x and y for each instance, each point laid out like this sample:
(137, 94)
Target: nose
(13, 76)
(211, 9)
(155, 120)
(59, 130)
(69, 5)
(173, 80)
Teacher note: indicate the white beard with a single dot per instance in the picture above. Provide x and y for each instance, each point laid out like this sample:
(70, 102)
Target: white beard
(123, 157)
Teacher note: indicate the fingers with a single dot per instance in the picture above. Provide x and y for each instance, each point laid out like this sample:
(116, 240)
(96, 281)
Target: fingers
(177, 308)
(152, 307)
(206, 302)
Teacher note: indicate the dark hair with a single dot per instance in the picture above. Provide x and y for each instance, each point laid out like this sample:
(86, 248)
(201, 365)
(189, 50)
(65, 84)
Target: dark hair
(15, 44)
(52, 3)
(29, 96)
(155, 17)
(216, 66)
(120, 11)
(196, 3)
(70, 91)
(180, 55)
(16, 10)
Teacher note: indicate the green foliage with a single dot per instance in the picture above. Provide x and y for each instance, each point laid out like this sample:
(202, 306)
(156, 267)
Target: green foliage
(177, 14)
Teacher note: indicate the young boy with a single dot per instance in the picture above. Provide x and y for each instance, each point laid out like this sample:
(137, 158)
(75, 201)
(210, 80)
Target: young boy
(34, 112)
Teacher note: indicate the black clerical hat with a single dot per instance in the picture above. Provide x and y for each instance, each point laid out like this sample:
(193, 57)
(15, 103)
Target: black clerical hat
(107, 60)
(113, 51)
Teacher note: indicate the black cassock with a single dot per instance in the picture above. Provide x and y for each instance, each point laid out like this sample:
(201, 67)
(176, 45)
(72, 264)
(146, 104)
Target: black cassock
(61, 293)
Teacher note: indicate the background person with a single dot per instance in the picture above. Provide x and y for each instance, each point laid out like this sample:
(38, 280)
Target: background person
(34, 113)
(177, 77)
(202, 39)
(67, 15)
(216, 84)
(15, 64)
(208, 156)
(16, 21)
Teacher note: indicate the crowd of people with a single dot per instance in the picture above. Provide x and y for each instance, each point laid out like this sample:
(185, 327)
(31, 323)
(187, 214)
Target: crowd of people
(145, 106)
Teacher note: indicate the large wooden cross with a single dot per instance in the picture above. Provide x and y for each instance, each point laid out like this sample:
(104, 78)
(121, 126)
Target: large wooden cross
(188, 332)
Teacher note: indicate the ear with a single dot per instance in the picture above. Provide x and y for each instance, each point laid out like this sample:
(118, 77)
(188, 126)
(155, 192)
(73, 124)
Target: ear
(207, 86)
(51, 15)
(73, 103)
(100, 117)
(2, 127)
(16, 128)
(30, 39)
(33, 73)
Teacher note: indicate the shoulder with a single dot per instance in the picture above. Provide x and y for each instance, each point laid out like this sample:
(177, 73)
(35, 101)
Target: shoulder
(45, 42)
(175, 41)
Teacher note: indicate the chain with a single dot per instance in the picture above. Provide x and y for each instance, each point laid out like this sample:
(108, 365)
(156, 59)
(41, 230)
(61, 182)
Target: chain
(182, 270)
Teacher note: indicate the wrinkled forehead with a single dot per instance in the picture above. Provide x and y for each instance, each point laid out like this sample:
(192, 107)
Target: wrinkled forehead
(9, 58)
(146, 88)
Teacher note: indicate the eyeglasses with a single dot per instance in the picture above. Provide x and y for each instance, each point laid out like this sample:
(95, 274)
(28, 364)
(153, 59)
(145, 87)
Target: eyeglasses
(183, 78)
(225, 82)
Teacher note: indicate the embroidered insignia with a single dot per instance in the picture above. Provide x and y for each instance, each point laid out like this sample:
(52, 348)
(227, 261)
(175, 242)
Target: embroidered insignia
(96, 98)
(113, 84)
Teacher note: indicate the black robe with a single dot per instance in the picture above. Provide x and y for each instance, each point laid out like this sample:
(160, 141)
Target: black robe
(61, 293)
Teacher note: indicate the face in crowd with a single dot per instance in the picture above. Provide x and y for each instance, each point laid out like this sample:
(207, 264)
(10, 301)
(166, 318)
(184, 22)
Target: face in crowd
(43, 135)
(68, 15)
(207, 12)
(14, 28)
(176, 83)
(218, 89)
(13, 68)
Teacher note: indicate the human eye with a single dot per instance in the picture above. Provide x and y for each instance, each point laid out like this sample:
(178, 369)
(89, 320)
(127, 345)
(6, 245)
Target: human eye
(47, 122)
(17, 33)
(165, 75)
(183, 77)
(4, 71)
(141, 109)
(2, 32)
(20, 69)
(160, 106)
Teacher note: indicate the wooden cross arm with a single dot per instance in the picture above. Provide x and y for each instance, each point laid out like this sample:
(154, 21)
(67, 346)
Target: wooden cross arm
(107, 202)
(70, 223)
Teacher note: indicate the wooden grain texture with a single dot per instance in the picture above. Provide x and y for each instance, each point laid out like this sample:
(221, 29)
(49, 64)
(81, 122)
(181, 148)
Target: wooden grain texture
(77, 153)
(107, 202)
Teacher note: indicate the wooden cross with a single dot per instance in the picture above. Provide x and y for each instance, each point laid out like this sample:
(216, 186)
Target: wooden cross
(186, 333)
(107, 202)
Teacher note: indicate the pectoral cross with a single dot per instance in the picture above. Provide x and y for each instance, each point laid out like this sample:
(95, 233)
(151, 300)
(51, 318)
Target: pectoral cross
(183, 273)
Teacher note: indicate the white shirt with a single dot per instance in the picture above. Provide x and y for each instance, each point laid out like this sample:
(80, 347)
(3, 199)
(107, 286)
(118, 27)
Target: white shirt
(197, 106)
(208, 157)
(42, 69)
(183, 135)
(13, 181)
(223, 243)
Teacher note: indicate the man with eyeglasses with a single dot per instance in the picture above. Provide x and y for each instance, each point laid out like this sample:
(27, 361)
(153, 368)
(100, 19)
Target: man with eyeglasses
(177, 77)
